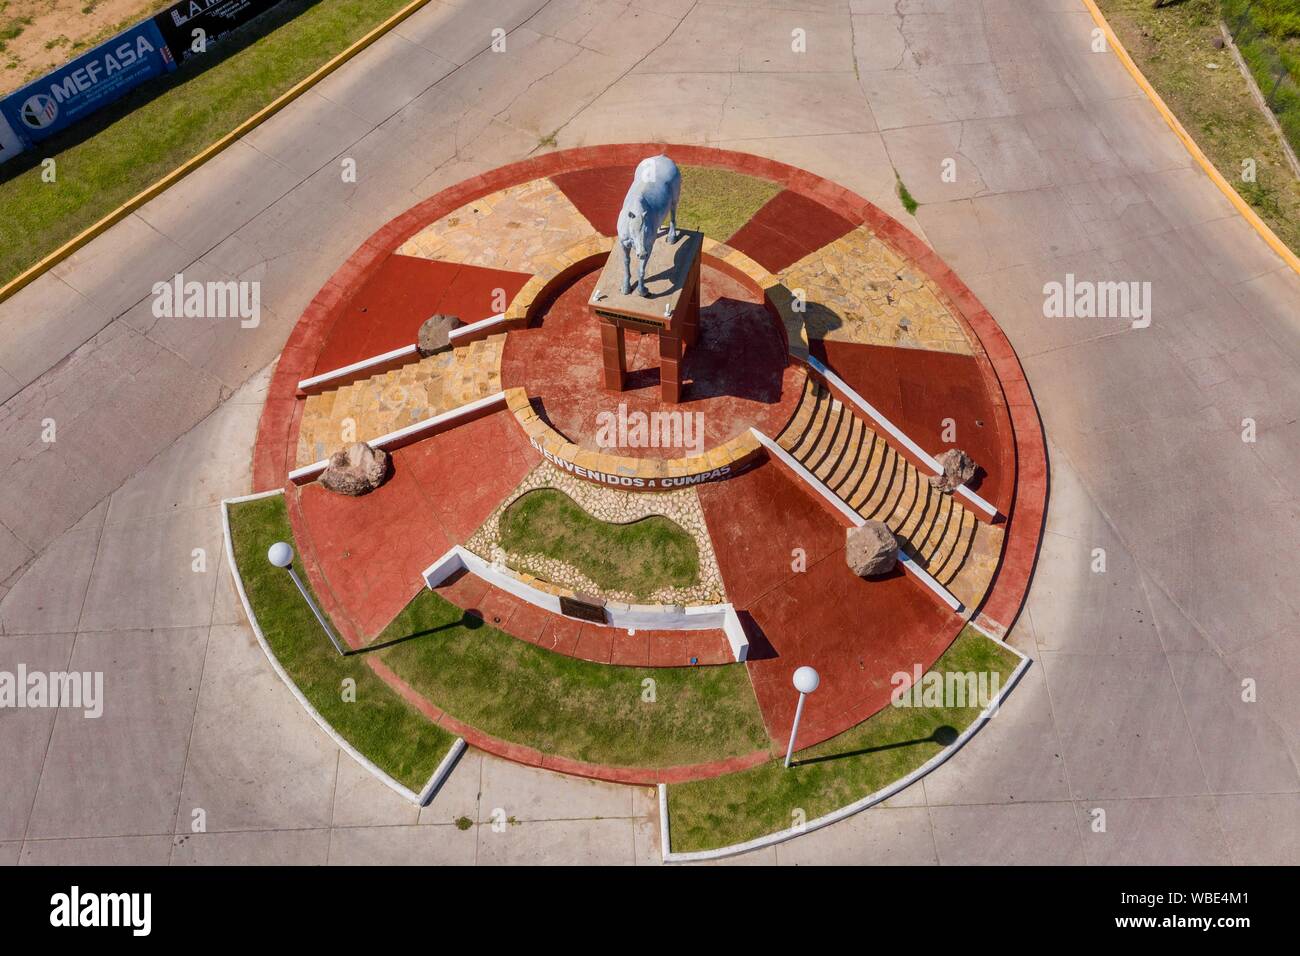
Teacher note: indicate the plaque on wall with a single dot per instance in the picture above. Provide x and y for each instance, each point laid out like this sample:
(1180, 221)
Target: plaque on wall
(584, 607)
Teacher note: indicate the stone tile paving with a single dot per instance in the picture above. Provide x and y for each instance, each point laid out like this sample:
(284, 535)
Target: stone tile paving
(384, 403)
(515, 229)
(859, 290)
(607, 504)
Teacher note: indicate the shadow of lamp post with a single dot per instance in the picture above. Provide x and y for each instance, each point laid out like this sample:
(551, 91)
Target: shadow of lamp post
(281, 555)
(806, 681)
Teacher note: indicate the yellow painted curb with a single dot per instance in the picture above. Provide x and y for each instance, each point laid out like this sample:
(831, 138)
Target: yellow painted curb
(1243, 207)
(194, 162)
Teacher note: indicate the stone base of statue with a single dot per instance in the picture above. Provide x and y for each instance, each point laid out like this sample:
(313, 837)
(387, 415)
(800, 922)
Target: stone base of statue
(672, 310)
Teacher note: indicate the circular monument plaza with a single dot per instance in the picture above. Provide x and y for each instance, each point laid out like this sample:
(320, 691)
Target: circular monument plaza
(604, 529)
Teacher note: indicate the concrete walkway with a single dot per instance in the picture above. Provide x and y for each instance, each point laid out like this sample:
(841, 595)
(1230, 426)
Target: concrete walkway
(1134, 704)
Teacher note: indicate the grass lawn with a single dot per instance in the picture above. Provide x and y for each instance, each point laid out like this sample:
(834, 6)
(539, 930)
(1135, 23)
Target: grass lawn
(718, 201)
(125, 147)
(706, 814)
(389, 731)
(561, 705)
(1172, 46)
(1268, 35)
(637, 558)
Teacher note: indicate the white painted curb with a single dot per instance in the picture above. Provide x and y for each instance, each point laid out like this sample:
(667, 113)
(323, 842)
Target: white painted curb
(897, 433)
(403, 435)
(353, 372)
(474, 328)
(453, 754)
(658, 617)
(812, 480)
(884, 793)
(347, 374)
(910, 566)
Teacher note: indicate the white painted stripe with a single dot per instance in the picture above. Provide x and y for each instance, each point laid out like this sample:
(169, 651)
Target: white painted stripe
(926, 578)
(442, 772)
(316, 467)
(896, 433)
(910, 566)
(406, 351)
(480, 325)
(648, 617)
(813, 481)
(856, 807)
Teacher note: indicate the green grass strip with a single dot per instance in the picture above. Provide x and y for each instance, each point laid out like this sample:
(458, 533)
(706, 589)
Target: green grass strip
(560, 705)
(380, 724)
(718, 202)
(722, 811)
(1172, 46)
(141, 139)
(637, 558)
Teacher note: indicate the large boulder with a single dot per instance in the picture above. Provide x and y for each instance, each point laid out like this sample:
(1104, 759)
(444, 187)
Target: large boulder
(355, 470)
(871, 549)
(435, 334)
(958, 468)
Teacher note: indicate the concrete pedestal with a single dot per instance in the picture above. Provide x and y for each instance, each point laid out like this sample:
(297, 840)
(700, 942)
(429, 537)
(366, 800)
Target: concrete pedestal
(671, 309)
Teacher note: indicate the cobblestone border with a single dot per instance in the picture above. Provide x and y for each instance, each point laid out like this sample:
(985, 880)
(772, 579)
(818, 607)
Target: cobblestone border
(615, 507)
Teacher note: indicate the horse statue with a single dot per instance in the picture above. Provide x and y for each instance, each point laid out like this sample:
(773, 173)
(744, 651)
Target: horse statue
(655, 190)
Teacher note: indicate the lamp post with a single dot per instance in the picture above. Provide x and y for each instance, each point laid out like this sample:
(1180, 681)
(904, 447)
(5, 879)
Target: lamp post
(806, 681)
(281, 555)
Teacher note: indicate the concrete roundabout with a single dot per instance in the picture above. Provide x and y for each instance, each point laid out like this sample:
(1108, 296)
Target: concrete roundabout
(836, 357)
(995, 131)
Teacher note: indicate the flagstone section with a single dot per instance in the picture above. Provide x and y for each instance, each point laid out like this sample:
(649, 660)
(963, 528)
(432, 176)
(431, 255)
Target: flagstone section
(615, 506)
(859, 290)
(383, 403)
(919, 391)
(515, 229)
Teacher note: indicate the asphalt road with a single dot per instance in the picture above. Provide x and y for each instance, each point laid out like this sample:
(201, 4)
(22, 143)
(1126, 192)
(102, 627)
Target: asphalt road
(1134, 704)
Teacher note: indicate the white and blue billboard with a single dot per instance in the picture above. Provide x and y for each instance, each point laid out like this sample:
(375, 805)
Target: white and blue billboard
(106, 73)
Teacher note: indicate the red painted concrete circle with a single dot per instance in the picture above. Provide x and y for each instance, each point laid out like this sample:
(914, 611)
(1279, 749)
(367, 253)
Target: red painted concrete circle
(735, 377)
(754, 508)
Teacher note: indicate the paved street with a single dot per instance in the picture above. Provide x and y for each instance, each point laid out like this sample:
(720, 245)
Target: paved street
(1134, 702)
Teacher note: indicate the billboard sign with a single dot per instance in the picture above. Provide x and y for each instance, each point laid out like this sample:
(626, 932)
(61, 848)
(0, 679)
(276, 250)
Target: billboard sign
(96, 78)
(10, 144)
(180, 22)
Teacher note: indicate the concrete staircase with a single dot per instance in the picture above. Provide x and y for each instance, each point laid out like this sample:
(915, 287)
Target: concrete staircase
(833, 442)
(403, 396)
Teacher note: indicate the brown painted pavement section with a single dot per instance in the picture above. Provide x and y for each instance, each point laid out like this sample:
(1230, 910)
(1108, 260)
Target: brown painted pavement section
(917, 389)
(1025, 465)
(856, 633)
(388, 310)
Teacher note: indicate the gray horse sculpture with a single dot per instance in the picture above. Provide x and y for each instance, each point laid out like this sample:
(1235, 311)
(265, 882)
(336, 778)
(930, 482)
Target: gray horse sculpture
(655, 189)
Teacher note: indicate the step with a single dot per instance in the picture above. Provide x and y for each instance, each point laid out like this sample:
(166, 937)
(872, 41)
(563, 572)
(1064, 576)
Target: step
(833, 440)
(854, 448)
(817, 428)
(798, 424)
(952, 563)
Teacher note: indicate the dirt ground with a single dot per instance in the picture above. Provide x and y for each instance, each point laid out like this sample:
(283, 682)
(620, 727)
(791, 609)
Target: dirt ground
(38, 35)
